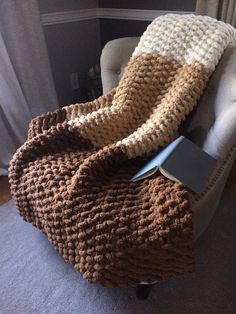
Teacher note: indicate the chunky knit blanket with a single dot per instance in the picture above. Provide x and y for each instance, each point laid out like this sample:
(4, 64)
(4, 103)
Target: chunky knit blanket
(71, 178)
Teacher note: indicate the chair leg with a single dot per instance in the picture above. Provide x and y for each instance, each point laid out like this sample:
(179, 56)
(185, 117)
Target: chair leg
(142, 291)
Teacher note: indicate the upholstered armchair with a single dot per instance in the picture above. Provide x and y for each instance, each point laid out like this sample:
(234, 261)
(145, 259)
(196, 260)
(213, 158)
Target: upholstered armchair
(212, 125)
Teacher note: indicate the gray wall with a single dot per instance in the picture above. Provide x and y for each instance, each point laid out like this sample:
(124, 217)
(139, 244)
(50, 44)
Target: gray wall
(75, 47)
(72, 47)
(48, 6)
(112, 29)
(186, 5)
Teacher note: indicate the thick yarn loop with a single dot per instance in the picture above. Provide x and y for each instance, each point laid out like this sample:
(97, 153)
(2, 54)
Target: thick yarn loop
(71, 178)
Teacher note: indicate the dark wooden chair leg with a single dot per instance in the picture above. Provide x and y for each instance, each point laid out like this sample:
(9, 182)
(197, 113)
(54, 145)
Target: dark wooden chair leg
(142, 291)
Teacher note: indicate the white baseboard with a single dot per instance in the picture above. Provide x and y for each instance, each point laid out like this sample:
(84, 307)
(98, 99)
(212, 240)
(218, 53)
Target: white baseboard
(103, 13)
(133, 14)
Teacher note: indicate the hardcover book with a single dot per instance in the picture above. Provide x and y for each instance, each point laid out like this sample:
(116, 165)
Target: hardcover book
(181, 161)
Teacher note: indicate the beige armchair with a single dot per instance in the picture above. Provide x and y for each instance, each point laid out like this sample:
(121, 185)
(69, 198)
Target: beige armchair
(212, 125)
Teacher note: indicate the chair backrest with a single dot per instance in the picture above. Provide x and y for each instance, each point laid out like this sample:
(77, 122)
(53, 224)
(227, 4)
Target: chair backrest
(114, 58)
(212, 125)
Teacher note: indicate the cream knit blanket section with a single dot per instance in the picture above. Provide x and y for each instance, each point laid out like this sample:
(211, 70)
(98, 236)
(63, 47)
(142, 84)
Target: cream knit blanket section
(164, 79)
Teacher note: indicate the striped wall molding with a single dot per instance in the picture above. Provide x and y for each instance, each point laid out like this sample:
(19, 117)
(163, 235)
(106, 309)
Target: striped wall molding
(103, 13)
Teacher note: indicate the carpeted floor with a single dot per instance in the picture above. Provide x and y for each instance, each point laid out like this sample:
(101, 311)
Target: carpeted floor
(35, 279)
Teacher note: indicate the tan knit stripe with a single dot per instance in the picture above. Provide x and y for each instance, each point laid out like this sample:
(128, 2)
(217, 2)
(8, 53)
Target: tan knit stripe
(143, 85)
(152, 87)
(188, 84)
(76, 110)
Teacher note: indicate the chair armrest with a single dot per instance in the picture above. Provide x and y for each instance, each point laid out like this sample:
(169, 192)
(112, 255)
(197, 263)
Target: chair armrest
(222, 135)
(213, 123)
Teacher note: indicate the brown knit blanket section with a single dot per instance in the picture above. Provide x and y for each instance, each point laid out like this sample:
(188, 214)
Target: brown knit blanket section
(113, 231)
(71, 178)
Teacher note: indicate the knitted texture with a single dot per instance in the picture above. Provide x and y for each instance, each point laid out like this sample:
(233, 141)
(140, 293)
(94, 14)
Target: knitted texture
(71, 178)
